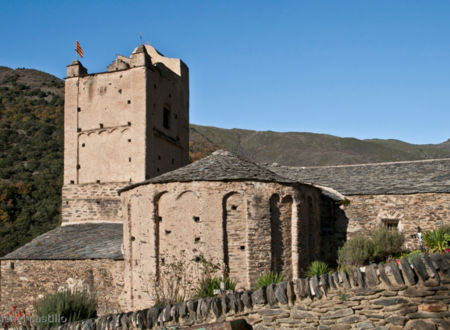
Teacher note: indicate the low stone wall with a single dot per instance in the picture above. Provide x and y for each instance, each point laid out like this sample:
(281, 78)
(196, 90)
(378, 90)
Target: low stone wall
(91, 202)
(386, 296)
(22, 282)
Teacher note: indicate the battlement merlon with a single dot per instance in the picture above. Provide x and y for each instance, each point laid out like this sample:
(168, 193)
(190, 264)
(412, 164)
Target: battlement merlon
(143, 55)
(76, 69)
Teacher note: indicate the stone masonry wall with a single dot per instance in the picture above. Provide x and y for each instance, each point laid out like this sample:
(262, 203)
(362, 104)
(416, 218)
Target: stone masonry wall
(390, 296)
(129, 124)
(156, 233)
(428, 210)
(22, 282)
(91, 202)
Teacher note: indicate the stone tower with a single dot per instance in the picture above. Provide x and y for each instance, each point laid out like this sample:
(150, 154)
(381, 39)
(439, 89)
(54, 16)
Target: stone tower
(125, 125)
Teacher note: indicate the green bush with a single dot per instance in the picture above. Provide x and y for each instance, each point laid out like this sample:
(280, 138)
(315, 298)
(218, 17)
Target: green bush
(437, 240)
(208, 285)
(317, 268)
(268, 278)
(68, 306)
(386, 243)
(356, 252)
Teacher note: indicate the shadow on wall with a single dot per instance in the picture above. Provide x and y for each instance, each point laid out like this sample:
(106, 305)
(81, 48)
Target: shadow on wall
(333, 230)
(281, 235)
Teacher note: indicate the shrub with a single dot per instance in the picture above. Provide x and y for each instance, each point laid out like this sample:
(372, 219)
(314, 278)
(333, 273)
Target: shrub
(386, 243)
(67, 306)
(208, 285)
(172, 285)
(437, 240)
(176, 282)
(355, 252)
(317, 268)
(268, 278)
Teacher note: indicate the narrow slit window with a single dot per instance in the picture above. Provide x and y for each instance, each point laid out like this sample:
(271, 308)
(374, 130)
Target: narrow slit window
(166, 118)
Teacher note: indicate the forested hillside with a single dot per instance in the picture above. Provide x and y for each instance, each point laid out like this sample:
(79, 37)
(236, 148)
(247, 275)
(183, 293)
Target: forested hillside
(31, 152)
(31, 145)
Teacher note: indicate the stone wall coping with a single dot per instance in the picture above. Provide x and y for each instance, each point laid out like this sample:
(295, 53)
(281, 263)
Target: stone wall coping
(425, 271)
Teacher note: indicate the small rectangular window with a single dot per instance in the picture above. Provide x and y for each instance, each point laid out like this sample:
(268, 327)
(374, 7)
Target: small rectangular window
(166, 118)
(391, 224)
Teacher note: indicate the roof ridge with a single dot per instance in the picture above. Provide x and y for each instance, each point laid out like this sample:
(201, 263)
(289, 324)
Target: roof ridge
(221, 165)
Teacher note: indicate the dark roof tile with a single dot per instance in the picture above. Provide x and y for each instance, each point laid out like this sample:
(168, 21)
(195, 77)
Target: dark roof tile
(74, 242)
(424, 176)
(219, 166)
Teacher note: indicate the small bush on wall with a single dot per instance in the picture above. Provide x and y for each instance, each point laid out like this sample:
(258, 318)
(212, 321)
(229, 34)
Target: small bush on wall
(382, 244)
(356, 252)
(65, 306)
(386, 243)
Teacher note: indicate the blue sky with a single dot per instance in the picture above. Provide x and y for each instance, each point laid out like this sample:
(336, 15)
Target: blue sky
(365, 69)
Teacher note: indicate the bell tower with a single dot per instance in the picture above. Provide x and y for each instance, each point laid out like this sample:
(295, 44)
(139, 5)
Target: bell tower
(121, 126)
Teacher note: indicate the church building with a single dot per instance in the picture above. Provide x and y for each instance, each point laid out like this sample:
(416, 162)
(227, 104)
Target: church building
(132, 203)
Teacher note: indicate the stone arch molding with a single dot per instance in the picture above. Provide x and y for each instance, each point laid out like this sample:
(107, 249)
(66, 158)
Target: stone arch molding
(392, 215)
(181, 194)
(103, 130)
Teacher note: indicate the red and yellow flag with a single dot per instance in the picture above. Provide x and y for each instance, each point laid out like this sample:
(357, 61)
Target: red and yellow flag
(78, 48)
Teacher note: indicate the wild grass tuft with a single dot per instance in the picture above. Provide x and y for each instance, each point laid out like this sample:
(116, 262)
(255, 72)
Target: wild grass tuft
(317, 268)
(207, 286)
(268, 278)
(437, 240)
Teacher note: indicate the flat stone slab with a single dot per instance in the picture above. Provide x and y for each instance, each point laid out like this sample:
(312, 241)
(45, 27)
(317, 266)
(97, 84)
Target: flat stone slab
(228, 325)
(390, 301)
(337, 314)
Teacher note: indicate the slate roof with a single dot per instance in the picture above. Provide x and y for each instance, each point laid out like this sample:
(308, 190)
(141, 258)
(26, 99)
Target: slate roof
(74, 242)
(423, 176)
(221, 165)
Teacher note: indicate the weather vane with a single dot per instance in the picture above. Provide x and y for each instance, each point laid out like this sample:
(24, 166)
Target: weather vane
(140, 37)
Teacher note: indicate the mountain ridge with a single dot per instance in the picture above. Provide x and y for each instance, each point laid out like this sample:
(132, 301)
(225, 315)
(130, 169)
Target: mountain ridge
(312, 149)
